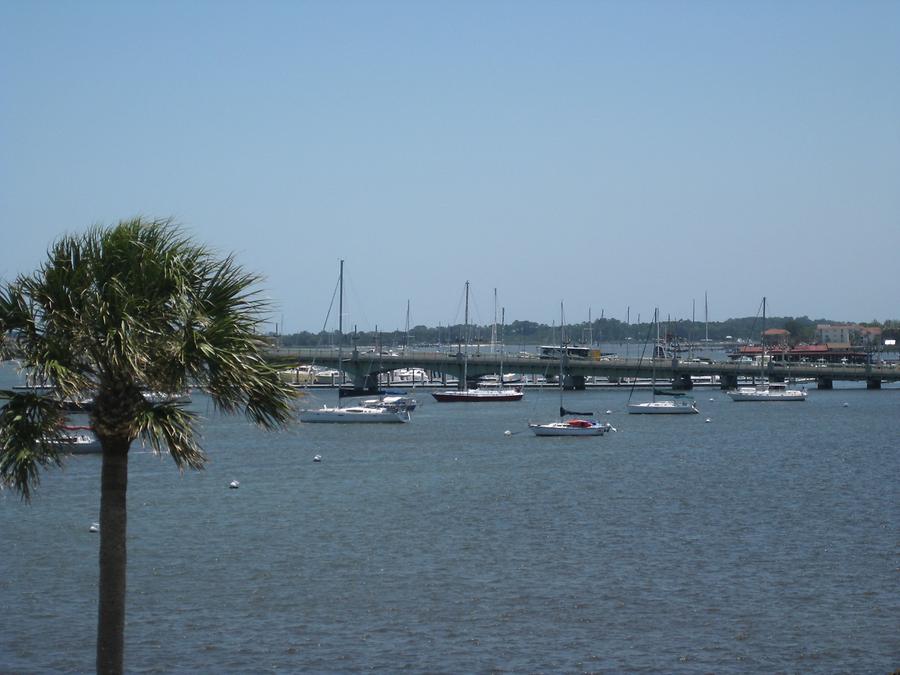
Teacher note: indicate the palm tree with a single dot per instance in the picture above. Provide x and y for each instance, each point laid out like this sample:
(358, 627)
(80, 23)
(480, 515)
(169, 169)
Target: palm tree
(113, 312)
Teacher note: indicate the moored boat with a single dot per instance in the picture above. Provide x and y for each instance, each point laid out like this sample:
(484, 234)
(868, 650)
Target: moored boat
(773, 392)
(392, 402)
(478, 395)
(767, 392)
(351, 414)
(577, 426)
(497, 394)
(571, 427)
(664, 407)
(354, 414)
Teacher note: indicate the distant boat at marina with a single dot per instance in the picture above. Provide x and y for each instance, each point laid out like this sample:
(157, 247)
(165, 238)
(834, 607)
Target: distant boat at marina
(408, 376)
(300, 375)
(76, 440)
(166, 397)
(494, 380)
(392, 401)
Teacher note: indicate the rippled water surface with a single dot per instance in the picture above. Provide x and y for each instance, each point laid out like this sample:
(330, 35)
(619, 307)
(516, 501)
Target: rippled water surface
(765, 539)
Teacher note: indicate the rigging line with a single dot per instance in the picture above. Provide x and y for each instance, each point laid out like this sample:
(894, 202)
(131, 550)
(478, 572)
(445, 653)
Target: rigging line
(455, 328)
(348, 282)
(330, 307)
(641, 359)
(473, 304)
(310, 375)
(752, 330)
(534, 399)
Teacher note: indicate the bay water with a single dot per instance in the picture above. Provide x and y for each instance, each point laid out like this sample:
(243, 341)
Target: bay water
(748, 538)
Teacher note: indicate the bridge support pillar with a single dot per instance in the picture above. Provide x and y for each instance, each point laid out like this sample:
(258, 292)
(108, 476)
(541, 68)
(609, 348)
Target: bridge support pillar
(682, 382)
(824, 383)
(575, 382)
(728, 382)
(365, 382)
(873, 383)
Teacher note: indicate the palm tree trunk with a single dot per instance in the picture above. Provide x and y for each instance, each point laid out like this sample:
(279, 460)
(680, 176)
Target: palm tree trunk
(113, 516)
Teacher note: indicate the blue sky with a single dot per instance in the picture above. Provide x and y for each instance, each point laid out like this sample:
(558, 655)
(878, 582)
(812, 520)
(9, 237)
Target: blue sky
(605, 154)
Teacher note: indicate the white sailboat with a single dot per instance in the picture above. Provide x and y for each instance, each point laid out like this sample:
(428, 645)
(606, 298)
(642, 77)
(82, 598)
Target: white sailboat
(567, 425)
(496, 394)
(352, 414)
(662, 406)
(766, 391)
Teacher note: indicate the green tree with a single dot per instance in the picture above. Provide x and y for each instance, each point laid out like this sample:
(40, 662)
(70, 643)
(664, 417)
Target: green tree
(114, 312)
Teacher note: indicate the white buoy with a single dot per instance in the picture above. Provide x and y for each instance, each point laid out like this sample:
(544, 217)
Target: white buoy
(234, 485)
(846, 405)
(708, 420)
(507, 433)
(95, 527)
(317, 458)
(712, 399)
(609, 412)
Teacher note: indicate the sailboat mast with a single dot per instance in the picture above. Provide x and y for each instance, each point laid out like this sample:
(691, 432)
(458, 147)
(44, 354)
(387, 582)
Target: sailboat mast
(706, 314)
(653, 374)
(340, 330)
(465, 381)
(562, 355)
(502, 346)
(494, 327)
(693, 321)
(762, 340)
(591, 328)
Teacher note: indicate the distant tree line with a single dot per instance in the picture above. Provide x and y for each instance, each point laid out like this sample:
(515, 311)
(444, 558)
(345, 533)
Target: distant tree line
(529, 333)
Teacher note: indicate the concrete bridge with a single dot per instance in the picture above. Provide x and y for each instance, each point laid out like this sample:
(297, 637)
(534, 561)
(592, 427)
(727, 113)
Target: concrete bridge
(363, 368)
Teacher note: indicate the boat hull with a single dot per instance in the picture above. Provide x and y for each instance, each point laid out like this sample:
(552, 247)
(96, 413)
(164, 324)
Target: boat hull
(662, 408)
(787, 396)
(354, 415)
(568, 429)
(477, 396)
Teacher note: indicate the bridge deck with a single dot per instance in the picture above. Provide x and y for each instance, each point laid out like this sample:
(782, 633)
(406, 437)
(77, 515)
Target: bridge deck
(368, 363)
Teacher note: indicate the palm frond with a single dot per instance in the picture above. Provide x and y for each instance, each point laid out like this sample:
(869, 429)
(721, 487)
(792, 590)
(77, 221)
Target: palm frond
(140, 306)
(169, 427)
(28, 425)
